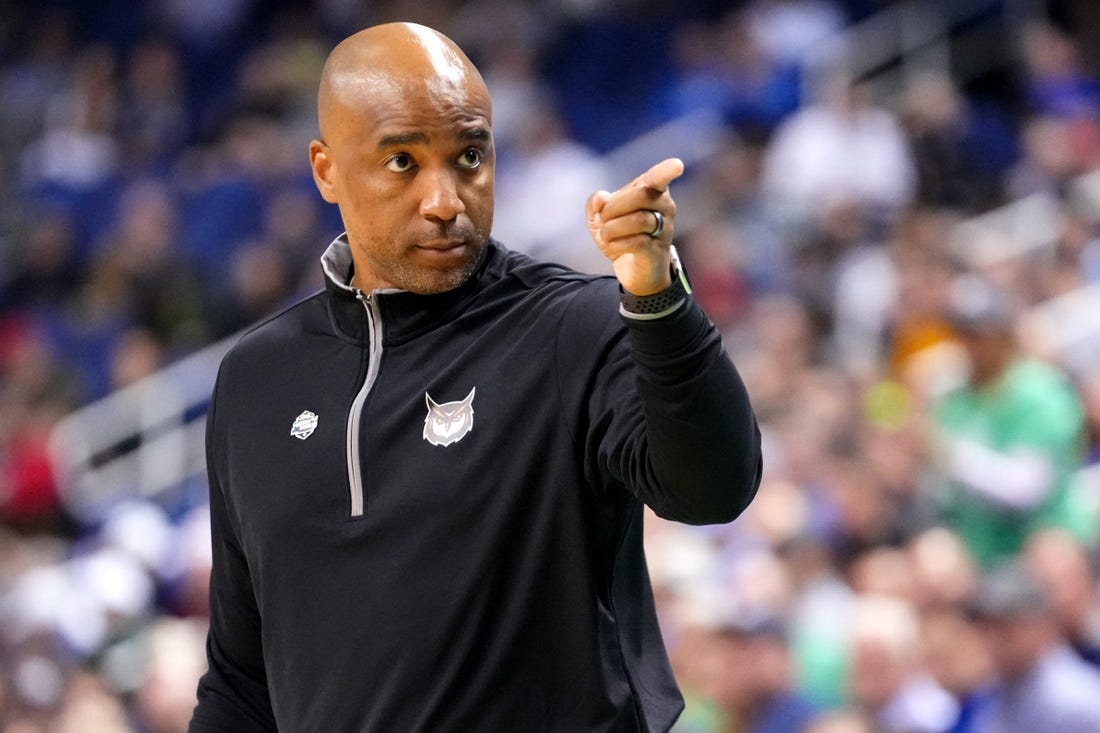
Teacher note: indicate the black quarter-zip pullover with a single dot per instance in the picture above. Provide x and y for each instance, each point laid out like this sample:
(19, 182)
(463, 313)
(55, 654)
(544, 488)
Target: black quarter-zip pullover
(427, 509)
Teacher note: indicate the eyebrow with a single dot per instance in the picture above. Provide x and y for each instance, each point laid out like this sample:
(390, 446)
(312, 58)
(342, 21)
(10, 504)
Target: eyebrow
(419, 138)
(400, 139)
(474, 133)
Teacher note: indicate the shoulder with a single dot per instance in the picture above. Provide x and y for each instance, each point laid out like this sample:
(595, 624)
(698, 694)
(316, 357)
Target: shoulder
(583, 308)
(279, 333)
(1039, 386)
(534, 273)
(1068, 683)
(1030, 375)
(1062, 693)
(559, 284)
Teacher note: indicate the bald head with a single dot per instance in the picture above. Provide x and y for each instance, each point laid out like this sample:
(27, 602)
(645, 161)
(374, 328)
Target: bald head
(393, 61)
(406, 152)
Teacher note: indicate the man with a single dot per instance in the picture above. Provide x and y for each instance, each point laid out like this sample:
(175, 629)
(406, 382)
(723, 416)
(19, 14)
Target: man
(1063, 567)
(887, 678)
(1009, 440)
(755, 687)
(1042, 684)
(427, 480)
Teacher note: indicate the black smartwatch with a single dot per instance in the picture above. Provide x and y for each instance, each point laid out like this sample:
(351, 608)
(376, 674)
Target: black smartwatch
(667, 301)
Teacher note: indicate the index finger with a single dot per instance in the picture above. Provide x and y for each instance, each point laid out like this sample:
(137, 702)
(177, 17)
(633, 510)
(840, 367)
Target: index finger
(661, 175)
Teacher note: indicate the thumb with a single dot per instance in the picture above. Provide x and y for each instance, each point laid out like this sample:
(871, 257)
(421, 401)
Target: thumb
(592, 209)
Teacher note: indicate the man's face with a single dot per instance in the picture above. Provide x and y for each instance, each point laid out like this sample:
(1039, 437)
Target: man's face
(989, 351)
(410, 163)
(1017, 643)
(877, 673)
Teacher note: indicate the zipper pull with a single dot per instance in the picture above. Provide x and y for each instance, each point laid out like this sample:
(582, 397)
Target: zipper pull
(361, 296)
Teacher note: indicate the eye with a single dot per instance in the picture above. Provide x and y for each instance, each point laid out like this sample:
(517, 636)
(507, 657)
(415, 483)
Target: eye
(400, 163)
(470, 158)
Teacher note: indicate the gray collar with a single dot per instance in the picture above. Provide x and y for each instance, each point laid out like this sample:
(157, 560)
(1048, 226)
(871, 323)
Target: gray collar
(337, 263)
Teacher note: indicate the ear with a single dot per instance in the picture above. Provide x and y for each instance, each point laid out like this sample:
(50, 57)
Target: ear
(324, 170)
(469, 398)
(430, 402)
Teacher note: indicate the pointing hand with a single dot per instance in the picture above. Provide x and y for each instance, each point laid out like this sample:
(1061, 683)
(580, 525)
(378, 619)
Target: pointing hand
(633, 228)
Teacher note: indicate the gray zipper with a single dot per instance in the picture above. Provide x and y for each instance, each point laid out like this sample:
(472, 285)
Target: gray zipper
(355, 468)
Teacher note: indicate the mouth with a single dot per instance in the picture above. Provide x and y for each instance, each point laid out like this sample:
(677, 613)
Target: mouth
(444, 251)
(442, 245)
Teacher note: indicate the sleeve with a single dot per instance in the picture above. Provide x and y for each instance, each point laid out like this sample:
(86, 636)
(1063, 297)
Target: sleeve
(1019, 479)
(667, 416)
(232, 694)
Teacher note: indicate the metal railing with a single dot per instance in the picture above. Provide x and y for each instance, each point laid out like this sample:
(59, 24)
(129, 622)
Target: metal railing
(146, 440)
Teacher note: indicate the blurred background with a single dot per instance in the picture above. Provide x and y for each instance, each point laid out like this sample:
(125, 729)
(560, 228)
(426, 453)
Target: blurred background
(891, 209)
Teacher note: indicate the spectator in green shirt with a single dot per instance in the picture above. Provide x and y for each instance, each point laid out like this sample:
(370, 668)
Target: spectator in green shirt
(1009, 439)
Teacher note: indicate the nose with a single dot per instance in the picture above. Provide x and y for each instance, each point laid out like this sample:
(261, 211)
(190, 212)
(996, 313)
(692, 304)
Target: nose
(440, 201)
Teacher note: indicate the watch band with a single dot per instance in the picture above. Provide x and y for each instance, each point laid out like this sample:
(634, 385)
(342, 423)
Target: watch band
(644, 305)
(665, 302)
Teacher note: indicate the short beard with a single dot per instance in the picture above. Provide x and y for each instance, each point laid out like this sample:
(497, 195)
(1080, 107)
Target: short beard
(404, 275)
(428, 282)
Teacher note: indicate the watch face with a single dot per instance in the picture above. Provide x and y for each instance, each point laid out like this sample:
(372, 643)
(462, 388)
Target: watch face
(678, 274)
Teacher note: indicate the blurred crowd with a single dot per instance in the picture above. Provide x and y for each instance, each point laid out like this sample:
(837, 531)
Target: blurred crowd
(922, 554)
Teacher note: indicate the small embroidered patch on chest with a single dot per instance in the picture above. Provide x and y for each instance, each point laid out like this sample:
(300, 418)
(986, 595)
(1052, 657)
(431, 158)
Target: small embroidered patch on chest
(304, 425)
(449, 422)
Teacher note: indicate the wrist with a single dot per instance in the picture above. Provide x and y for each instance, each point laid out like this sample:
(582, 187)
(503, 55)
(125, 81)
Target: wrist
(662, 302)
(659, 283)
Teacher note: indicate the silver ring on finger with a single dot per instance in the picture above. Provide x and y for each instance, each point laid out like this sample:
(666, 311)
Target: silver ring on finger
(660, 223)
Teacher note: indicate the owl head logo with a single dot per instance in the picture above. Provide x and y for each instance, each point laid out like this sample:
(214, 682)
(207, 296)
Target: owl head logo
(450, 422)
